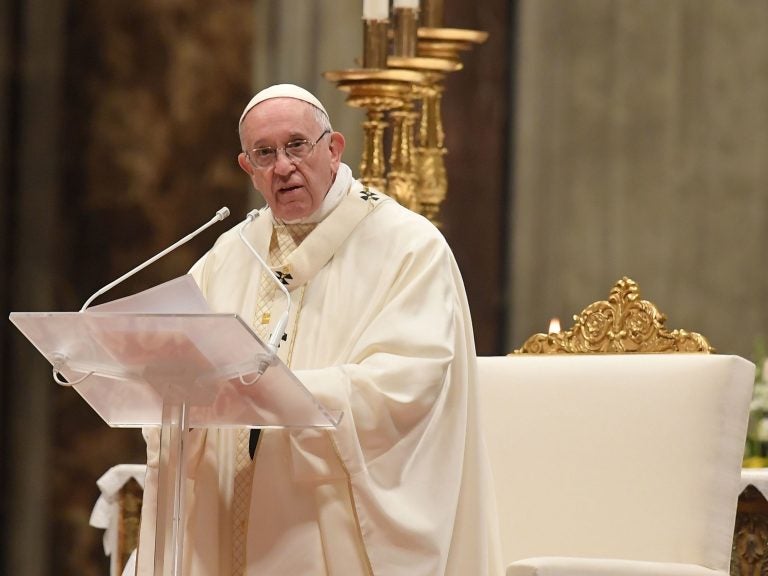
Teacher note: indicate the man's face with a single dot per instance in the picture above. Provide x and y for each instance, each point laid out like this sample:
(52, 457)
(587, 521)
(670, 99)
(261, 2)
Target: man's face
(292, 190)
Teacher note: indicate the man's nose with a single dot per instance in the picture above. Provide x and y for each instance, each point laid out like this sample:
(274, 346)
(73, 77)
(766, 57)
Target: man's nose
(283, 164)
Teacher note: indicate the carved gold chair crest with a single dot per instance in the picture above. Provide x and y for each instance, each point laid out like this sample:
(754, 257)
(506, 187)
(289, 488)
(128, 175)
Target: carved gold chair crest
(622, 324)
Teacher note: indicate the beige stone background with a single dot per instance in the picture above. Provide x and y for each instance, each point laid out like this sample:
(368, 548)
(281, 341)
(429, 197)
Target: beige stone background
(588, 139)
(641, 149)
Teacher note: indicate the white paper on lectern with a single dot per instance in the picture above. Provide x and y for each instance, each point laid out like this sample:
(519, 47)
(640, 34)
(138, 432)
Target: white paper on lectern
(178, 296)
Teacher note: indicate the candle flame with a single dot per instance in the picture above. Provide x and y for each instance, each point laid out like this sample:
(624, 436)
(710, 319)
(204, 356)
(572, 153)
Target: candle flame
(554, 326)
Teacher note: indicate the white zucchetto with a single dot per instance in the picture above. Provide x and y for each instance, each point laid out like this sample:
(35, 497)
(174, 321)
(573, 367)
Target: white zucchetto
(282, 91)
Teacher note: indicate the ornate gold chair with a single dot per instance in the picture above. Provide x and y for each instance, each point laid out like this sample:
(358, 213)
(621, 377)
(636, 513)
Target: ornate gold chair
(610, 456)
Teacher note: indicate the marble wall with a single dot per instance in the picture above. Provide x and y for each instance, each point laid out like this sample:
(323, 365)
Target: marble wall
(641, 149)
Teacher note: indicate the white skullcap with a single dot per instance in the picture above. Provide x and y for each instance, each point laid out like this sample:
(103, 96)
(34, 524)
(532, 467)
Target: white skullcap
(282, 91)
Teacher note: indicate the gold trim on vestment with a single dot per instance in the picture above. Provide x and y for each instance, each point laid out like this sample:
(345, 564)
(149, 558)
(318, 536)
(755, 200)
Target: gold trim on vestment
(352, 502)
(292, 343)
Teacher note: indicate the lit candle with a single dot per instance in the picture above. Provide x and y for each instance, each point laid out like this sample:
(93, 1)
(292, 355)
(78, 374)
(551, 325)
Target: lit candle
(406, 4)
(375, 9)
(554, 326)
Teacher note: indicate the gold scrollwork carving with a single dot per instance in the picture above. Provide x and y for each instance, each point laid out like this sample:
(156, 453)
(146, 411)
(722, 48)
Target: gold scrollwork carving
(622, 324)
(749, 555)
(129, 506)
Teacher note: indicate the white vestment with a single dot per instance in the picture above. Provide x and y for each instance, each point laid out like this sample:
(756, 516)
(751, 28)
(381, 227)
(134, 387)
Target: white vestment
(379, 329)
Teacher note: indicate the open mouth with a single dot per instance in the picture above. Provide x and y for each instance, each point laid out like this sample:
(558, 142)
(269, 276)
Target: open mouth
(289, 188)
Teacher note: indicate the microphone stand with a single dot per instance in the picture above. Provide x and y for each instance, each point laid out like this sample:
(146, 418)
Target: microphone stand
(274, 340)
(220, 215)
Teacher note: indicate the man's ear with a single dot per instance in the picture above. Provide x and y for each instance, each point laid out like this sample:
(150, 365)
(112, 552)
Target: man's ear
(242, 159)
(337, 148)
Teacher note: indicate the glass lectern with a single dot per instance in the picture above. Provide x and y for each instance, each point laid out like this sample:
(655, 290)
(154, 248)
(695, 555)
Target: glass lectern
(176, 371)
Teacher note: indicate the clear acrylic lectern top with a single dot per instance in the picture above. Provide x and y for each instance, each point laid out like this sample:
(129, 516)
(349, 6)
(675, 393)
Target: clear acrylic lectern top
(130, 364)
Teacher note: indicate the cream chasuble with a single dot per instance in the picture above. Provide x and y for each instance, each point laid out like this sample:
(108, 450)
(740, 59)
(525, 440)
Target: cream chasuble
(379, 329)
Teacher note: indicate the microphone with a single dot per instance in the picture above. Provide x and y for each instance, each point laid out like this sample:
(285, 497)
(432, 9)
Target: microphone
(220, 215)
(277, 334)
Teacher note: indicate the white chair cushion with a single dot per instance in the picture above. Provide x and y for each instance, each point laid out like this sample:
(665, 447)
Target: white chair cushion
(604, 567)
(617, 456)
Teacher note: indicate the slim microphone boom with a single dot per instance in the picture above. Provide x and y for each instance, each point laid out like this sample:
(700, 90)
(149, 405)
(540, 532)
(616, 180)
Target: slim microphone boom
(220, 215)
(277, 334)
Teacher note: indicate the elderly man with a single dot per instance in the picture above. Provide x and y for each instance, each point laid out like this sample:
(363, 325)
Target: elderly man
(380, 330)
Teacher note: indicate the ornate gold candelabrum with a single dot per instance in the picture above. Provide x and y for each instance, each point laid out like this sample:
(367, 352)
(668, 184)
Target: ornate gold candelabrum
(402, 160)
(402, 180)
(378, 91)
(405, 90)
(428, 164)
(439, 49)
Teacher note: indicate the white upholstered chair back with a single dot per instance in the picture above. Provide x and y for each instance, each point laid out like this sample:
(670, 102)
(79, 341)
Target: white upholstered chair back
(616, 464)
(618, 457)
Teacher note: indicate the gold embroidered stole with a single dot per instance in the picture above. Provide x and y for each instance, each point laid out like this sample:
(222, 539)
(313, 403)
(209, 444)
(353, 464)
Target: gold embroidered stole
(285, 239)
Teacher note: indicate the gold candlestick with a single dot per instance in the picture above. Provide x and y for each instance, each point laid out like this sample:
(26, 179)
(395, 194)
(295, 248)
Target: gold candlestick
(402, 176)
(372, 167)
(427, 165)
(432, 181)
(406, 23)
(447, 42)
(375, 43)
(431, 13)
(394, 86)
(436, 45)
(377, 91)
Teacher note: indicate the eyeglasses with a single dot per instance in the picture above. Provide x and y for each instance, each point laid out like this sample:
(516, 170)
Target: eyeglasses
(295, 151)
